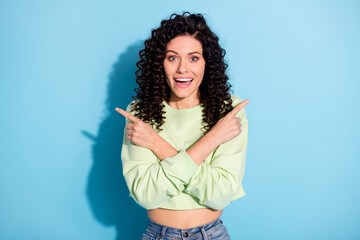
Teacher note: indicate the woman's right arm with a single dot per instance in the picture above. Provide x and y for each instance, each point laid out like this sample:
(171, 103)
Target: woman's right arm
(218, 181)
(224, 130)
(152, 181)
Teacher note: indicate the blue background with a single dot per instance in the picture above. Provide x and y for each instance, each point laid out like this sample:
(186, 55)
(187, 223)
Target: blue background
(65, 66)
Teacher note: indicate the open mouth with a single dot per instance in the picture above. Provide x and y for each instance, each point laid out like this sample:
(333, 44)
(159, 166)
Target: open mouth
(183, 82)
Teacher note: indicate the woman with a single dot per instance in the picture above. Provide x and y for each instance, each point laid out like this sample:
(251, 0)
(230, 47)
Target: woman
(185, 140)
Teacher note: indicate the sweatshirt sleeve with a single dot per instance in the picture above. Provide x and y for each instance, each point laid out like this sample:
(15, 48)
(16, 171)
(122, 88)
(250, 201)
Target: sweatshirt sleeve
(152, 182)
(218, 182)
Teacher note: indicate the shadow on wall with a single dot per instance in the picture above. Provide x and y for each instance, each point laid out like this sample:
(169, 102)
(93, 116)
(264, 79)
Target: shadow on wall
(106, 191)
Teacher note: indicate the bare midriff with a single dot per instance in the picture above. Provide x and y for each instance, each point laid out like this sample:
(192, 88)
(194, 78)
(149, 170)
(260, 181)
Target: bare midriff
(184, 219)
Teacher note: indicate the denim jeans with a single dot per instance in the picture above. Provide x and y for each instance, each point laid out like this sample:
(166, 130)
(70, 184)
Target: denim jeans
(210, 231)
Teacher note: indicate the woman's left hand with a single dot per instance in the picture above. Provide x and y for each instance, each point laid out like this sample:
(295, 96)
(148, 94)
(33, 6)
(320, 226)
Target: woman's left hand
(139, 132)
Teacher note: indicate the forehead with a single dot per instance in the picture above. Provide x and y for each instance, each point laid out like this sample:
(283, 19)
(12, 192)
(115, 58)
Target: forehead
(184, 44)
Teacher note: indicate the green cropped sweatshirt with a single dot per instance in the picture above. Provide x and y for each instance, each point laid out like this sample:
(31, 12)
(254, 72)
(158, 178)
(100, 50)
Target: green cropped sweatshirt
(178, 183)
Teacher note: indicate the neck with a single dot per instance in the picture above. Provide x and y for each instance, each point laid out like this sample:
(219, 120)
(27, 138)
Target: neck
(183, 103)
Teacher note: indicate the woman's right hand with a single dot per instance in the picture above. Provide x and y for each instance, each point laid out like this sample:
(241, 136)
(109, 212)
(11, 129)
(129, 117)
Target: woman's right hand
(229, 126)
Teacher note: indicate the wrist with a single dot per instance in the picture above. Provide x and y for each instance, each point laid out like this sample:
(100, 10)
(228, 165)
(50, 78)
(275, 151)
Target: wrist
(212, 139)
(162, 148)
(155, 143)
(203, 148)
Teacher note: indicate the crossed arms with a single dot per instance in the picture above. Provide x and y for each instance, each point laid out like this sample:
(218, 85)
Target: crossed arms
(152, 182)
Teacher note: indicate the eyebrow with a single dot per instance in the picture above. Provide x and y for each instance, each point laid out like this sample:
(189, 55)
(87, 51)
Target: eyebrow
(177, 53)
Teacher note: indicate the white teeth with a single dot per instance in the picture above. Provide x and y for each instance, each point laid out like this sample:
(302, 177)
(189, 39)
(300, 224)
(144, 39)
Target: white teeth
(183, 79)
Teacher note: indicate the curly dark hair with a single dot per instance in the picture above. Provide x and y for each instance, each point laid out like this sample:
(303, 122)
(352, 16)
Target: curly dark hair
(150, 76)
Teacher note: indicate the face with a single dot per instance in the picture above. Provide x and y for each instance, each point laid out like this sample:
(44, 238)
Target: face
(184, 67)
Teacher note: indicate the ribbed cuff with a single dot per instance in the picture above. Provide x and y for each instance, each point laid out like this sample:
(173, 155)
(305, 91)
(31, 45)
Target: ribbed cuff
(180, 166)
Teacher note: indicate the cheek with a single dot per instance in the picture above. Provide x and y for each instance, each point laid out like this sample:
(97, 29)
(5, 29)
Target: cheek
(168, 81)
(200, 71)
(168, 70)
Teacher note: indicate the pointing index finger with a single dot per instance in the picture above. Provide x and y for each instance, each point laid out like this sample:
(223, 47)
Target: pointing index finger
(127, 115)
(238, 107)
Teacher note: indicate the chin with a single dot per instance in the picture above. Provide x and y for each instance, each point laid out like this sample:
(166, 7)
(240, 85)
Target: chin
(182, 94)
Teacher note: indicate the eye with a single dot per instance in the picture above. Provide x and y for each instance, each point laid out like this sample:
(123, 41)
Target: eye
(192, 59)
(172, 58)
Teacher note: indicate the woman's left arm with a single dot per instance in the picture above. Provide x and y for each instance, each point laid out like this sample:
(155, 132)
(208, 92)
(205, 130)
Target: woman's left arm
(215, 183)
(142, 134)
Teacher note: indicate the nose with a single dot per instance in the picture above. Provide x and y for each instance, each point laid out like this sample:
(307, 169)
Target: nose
(182, 66)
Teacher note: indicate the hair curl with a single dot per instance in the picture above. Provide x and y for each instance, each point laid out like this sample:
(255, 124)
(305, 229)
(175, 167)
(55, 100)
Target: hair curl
(150, 76)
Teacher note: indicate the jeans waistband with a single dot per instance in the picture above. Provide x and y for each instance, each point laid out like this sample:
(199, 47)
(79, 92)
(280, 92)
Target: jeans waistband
(156, 227)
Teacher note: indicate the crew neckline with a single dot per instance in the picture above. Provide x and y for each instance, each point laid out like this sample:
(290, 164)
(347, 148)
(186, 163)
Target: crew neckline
(184, 110)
